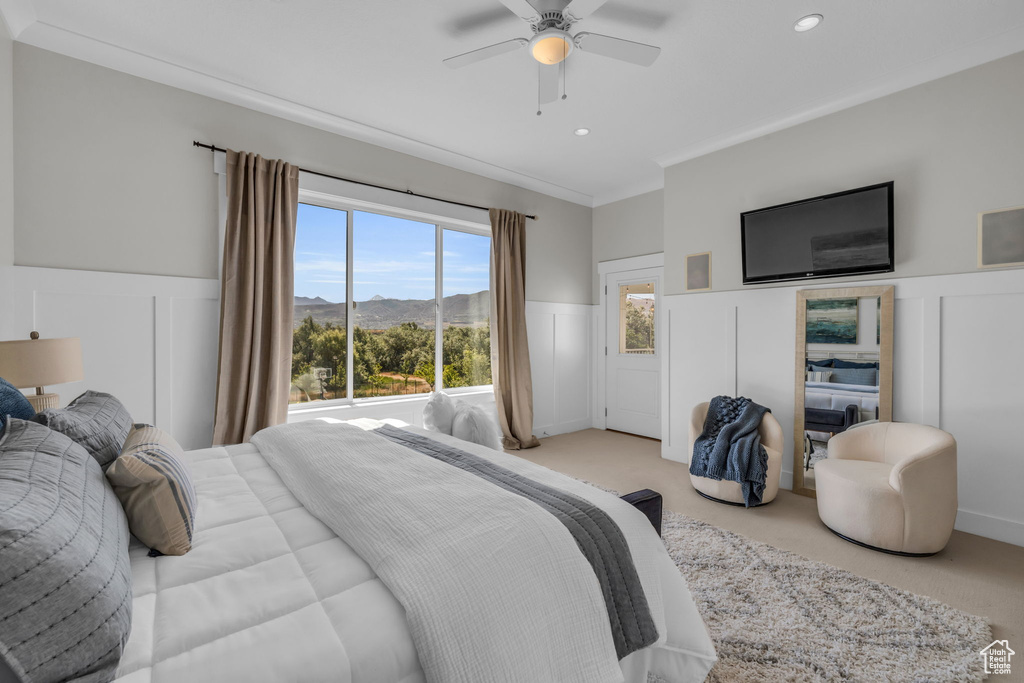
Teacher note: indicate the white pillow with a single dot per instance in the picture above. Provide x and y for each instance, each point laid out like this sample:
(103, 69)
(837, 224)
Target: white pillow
(438, 413)
(471, 423)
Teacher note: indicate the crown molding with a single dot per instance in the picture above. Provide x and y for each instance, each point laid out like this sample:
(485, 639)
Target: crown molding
(966, 57)
(656, 181)
(77, 46)
(18, 15)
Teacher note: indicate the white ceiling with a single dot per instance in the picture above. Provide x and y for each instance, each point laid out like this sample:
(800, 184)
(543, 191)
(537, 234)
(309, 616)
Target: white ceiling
(729, 70)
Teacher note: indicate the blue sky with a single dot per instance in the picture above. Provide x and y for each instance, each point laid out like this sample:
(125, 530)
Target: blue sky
(393, 257)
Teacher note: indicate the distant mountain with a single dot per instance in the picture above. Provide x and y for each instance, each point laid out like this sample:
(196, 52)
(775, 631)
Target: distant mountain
(379, 313)
(306, 301)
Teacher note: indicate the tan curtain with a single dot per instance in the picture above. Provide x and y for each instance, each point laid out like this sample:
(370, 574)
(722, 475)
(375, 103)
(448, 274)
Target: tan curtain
(256, 300)
(513, 384)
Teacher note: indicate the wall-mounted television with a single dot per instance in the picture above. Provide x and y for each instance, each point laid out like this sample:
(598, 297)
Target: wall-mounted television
(846, 233)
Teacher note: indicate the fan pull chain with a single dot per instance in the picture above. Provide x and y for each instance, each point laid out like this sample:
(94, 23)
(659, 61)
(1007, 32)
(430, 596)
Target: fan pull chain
(538, 92)
(539, 79)
(565, 78)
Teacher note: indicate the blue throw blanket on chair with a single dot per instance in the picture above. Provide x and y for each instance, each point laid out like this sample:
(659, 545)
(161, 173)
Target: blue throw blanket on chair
(730, 446)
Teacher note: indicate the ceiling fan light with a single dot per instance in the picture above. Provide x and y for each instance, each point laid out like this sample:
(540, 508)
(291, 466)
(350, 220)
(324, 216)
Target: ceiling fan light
(551, 47)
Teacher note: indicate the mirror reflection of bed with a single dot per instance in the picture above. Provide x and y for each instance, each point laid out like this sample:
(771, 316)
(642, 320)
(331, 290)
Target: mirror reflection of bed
(844, 354)
(836, 400)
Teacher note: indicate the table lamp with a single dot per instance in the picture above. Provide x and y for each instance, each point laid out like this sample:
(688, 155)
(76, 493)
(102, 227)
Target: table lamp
(39, 362)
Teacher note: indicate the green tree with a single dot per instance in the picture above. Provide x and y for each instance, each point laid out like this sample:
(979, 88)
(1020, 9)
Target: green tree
(639, 326)
(329, 350)
(406, 350)
(302, 345)
(425, 371)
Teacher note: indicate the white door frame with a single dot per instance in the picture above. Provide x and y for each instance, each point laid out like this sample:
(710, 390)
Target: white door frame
(601, 338)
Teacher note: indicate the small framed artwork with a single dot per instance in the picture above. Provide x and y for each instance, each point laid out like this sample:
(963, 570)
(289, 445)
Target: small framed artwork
(698, 272)
(831, 321)
(1001, 238)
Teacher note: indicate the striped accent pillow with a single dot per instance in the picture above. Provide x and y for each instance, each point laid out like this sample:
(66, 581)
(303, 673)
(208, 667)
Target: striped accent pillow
(96, 420)
(819, 375)
(155, 489)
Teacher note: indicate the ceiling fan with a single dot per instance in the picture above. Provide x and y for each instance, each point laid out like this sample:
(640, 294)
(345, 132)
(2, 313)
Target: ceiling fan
(551, 21)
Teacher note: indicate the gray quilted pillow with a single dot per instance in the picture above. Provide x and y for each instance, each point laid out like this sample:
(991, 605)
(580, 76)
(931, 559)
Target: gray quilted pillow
(95, 420)
(65, 579)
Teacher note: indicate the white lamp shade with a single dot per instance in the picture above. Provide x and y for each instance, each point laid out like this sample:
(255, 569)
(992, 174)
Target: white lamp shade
(41, 362)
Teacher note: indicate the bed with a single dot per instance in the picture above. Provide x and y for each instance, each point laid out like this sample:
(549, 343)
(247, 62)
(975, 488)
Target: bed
(836, 396)
(270, 593)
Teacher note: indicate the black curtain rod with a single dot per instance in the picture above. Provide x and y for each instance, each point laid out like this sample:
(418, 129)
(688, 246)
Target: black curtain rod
(213, 148)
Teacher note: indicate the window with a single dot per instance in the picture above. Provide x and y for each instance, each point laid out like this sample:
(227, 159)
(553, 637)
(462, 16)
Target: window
(320, 326)
(467, 309)
(393, 287)
(415, 288)
(636, 319)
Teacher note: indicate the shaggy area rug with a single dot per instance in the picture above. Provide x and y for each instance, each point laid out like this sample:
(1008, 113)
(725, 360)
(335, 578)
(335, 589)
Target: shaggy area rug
(776, 616)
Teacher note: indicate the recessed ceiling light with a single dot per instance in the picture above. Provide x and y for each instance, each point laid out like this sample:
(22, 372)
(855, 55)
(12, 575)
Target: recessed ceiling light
(582, 131)
(807, 23)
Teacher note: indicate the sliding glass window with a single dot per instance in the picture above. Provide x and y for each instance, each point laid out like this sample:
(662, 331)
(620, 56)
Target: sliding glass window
(393, 287)
(467, 309)
(319, 340)
(385, 342)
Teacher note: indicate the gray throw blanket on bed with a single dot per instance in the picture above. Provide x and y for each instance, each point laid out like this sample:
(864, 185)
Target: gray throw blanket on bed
(597, 535)
(730, 447)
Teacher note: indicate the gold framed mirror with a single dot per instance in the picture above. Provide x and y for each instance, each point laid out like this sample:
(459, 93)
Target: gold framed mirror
(843, 369)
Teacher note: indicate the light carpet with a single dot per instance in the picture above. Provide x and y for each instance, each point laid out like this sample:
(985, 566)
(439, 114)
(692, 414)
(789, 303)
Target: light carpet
(775, 615)
(974, 574)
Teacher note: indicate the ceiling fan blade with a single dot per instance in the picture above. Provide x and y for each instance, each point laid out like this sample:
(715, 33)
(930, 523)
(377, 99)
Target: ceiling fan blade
(581, 9)
(617, 48)
(467, 58)
(548, 83)
(523, 10)
(494, 16)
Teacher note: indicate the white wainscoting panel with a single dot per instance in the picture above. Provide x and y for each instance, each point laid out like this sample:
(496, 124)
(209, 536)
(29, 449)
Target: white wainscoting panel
(957, 365)
(561, 346)
(186, 317)
(149, 340)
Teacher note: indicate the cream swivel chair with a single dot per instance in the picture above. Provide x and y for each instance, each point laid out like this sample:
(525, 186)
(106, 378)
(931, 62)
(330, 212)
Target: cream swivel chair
(729, 491)
(890, 486)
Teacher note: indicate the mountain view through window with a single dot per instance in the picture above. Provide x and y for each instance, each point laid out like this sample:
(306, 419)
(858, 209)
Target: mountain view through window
(395, 310)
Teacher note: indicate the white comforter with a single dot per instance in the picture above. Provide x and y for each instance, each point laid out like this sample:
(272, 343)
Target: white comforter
(269, 593)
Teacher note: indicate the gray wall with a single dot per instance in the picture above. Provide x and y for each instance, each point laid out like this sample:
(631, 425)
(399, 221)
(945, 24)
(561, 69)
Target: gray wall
(954, 146)
(629, 227)
(108, 178)
(6, 147)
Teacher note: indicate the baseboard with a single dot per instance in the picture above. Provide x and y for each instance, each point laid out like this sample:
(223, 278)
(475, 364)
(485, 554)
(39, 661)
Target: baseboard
(563, 428)
(1005, 530)
(674, 453)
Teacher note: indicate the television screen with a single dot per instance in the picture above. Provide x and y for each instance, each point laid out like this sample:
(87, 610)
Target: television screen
(837, 234)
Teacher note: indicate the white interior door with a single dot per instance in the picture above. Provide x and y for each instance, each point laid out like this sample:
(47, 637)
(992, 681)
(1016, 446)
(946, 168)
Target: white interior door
(632, 357)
